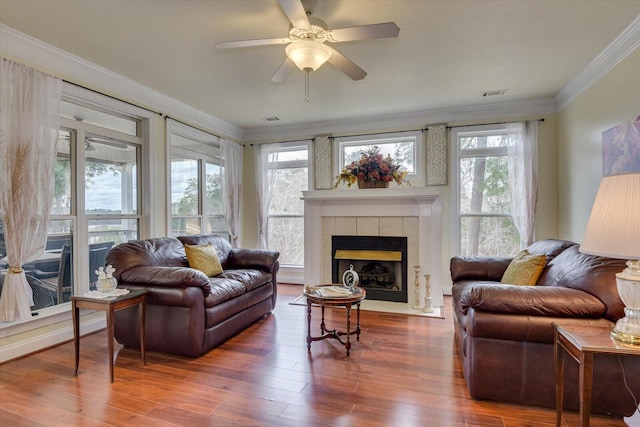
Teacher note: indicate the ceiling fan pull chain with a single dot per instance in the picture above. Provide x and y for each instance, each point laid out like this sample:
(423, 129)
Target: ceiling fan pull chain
(306, 86)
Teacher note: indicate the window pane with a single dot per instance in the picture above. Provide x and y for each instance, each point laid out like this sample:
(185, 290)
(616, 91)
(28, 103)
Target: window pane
(482, 141)
(402, 152)
(289, 155)
(287, 191)
(116, 230)
(62, 175)
(215, 225)
(483, 185)
(184, 186)
(110, 177)
(287, 236)
(488, 236)
(118, 123)
(213, 193)
(181, 226)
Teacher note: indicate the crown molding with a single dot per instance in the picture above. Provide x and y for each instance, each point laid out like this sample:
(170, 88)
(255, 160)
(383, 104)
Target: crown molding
(402, 120)
(23, 48)
(615, 52)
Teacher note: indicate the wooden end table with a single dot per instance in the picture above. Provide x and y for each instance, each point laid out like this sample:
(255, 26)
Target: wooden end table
(581, 342)
(313, 297)
(109, 305)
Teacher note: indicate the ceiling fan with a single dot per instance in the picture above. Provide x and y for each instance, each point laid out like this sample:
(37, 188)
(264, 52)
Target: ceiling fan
(306, 46)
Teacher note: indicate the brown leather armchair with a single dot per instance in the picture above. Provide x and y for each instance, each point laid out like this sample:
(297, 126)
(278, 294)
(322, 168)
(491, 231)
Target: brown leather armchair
(505, 337)
(187, 312)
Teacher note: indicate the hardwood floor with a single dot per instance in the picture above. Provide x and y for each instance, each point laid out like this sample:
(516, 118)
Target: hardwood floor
(403, 372)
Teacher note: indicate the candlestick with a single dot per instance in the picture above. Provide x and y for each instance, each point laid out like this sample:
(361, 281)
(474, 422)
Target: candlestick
(416, 289)
(428, 308)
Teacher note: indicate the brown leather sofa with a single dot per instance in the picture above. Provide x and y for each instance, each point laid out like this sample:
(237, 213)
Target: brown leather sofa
(505, 337)
(188, 313)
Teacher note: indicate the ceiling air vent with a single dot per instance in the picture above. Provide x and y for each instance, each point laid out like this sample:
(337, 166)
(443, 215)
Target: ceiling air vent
(495, 92)
(271, 119)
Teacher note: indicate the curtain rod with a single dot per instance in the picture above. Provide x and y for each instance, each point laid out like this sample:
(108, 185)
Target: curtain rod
(195, 127)
(496, 123)
(112, 97)
(380, 133)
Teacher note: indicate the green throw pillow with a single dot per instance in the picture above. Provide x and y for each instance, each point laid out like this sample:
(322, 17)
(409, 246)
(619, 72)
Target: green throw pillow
(525, 269)
(203, 258)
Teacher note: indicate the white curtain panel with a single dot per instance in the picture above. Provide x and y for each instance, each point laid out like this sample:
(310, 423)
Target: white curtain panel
(265, 180)
(523, 168)
(29, 122)
(232, 188)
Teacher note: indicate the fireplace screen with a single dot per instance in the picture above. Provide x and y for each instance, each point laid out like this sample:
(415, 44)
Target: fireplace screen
(381, 263)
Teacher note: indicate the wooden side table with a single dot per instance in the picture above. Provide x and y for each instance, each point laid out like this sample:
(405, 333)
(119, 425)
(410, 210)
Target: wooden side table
(581, 342)
(109, 305)
(358, 294)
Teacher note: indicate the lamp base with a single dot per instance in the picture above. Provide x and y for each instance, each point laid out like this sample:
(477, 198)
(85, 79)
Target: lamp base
(628, 281)
(627, 329)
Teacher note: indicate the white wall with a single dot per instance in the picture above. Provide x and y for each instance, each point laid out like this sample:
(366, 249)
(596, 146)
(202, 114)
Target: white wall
(612, 100)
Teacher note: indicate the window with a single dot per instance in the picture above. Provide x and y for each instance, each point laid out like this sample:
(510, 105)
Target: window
(196, 182)
(285, 221)
(482, 198)
(96, 201)
(404, 147)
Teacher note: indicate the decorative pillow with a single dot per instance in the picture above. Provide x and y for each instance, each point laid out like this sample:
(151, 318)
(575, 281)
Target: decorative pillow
(203, 258)
(525, 269)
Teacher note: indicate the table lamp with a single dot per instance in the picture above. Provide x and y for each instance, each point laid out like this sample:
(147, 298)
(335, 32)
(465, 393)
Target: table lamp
(613, 231)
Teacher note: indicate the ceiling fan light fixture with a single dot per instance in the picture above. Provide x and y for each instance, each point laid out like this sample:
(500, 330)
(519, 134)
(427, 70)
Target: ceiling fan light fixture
(308, 55)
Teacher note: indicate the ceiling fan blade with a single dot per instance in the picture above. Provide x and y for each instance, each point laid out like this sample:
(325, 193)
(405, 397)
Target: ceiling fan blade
(347, 66)
(363, 32)
(256, 42)
(283, 71)
(296, 13)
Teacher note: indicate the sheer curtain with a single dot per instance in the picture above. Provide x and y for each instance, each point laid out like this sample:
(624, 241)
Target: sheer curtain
(265, 180)
(523, 168)
(232, 188)
(29, 121)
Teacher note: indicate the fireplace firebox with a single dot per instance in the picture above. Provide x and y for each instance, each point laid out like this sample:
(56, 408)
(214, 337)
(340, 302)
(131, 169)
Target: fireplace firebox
(380, 261)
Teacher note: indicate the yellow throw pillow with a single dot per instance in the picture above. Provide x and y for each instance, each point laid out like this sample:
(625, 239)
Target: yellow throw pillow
(204, 258)
(525, 269)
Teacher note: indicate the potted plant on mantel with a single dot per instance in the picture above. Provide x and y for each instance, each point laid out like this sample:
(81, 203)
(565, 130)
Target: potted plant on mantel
(372, 170)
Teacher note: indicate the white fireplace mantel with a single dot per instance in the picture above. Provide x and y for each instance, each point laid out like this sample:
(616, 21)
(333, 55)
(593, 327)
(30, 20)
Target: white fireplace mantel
(420, 202)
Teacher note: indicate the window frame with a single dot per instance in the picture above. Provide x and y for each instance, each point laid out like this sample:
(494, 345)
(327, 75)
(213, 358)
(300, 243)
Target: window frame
(457, 155)
(290, 164)
(176, 128)
(417, 177)
(78, 217)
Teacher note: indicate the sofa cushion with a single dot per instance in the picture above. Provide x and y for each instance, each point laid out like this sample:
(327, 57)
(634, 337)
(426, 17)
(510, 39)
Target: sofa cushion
(524, 269)
(588, 273)
(223, 289)
(203, 258)
(550, 247)
(251, 279)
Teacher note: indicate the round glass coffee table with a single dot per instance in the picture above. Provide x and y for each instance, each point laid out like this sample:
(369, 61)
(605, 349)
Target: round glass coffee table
(334, 296)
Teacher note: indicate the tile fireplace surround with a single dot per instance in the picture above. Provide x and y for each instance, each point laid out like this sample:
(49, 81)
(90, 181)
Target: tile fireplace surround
(414, 213)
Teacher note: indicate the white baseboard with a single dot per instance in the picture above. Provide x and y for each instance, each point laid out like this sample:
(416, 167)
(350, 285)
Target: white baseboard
(43, 341)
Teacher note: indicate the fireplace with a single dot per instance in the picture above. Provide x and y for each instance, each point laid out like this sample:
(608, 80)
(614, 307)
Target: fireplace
(413, 213)
(380, 261)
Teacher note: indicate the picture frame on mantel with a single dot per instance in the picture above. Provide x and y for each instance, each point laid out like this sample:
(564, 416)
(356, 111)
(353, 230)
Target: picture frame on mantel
(436, 155)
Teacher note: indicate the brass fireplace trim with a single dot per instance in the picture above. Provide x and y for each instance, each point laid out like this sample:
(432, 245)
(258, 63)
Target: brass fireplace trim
(368, 255)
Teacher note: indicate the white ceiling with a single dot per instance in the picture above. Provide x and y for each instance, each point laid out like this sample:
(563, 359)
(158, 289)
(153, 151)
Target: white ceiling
(447, 53)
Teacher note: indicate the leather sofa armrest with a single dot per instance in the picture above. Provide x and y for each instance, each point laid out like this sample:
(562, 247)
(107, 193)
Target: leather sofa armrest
(531, 301)
(253, 258)
(478, 268)
(173, 277)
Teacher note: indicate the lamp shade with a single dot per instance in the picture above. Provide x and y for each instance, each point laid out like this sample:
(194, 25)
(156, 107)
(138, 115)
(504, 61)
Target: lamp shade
(613, 229)
(308, 55)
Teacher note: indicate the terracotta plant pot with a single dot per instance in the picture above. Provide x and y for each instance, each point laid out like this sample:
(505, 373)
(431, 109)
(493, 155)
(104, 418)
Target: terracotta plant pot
(372, 184)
